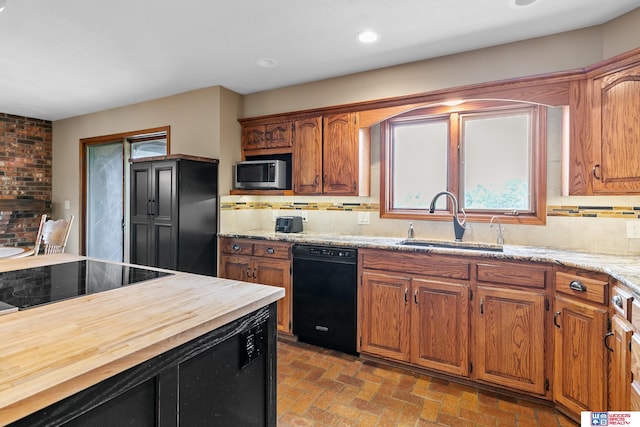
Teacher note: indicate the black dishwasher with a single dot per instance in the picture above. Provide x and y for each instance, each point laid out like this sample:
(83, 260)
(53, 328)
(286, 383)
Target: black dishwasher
(324, 296)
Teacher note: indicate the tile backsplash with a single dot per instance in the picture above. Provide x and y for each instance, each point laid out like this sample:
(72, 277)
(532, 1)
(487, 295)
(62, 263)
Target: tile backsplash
(601, 228)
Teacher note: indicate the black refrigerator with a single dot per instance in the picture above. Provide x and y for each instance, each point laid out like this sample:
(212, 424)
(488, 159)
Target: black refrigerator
(174, 213)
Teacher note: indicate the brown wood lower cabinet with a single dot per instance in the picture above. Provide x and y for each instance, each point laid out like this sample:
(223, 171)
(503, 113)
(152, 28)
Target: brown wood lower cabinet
(580, 325)
(385, 315)
(416, 320)
(431, 311)
(509, 336)
(268, 263)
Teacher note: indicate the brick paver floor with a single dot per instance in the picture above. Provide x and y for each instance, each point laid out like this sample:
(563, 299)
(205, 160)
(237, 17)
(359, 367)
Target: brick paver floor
(319, 387)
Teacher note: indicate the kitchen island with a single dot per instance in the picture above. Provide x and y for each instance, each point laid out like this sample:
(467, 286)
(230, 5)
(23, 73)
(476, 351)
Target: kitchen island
(118, 353)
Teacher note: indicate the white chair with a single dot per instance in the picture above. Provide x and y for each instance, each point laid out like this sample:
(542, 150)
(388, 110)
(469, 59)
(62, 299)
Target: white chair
(52, 237)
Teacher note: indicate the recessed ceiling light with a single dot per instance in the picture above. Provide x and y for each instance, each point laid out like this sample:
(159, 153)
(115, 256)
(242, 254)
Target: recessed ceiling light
(3, 4)
(518, 4)
(267, 62)
(367, 36)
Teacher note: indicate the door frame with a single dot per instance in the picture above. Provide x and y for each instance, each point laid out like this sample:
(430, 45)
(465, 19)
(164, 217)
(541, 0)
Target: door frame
(103, 139)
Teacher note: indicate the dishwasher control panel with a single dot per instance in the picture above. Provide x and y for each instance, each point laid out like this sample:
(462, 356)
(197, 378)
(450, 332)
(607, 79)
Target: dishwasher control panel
(320, 252)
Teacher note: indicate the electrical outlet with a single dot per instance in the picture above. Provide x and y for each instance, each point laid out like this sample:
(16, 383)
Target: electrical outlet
(275, 214)
(304, 215)
(633, 229)
(364, 218)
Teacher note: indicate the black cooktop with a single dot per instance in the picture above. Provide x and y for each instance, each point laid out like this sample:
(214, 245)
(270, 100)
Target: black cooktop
(42, 285)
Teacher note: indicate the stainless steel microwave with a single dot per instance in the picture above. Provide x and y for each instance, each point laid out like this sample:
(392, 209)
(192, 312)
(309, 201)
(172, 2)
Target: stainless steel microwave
(260, 175)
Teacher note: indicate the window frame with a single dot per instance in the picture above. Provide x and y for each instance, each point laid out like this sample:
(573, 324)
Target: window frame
(538, 162)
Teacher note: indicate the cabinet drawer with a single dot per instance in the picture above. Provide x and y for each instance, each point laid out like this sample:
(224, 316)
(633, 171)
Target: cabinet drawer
(514, 274)
(272, 250)
(621, 302)
(417, 263)
(582, 287)
(236, 246)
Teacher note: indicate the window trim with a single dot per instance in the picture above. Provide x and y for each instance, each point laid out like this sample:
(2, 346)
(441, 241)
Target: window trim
(538, 166)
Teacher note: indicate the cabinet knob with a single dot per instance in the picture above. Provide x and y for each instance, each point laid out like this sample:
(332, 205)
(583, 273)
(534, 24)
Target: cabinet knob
(271, 251)
(235, 247)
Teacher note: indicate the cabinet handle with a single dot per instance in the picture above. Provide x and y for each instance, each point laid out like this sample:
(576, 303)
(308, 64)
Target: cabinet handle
(248, 273)
(481, 305)
(415, 296)
(254, 273)
(606, 344)
(577, 285)
(617, 301)
(235, 247)
(594, 171)
(555, 318)
(271, 251)
(153, 207)
(406, 300)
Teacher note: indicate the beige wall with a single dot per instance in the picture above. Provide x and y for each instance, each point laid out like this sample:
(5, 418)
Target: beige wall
(201, 121)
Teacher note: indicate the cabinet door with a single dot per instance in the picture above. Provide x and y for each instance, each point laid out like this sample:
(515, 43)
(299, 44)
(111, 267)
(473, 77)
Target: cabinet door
(276, 273)
(253, 137)
(509, 338)
(164, 205)
(141, 215)
(619, 365)
(580, 361)
(307, 156)
(236, 267)
(340, 155)
(440, 326)
(279, 135)
(385, 315)
(616, 148)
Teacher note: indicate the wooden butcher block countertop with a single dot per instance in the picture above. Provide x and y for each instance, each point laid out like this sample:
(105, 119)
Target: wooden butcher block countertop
(50, 352)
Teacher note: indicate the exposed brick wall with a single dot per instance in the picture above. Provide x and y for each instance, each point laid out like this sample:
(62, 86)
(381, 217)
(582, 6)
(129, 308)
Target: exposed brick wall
(25, 175)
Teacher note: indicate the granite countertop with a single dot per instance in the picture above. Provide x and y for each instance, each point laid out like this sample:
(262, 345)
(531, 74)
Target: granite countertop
(624, 268)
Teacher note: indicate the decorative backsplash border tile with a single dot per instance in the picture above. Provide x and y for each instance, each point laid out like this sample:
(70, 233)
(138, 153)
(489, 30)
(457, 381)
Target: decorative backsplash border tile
(307, 206)
(626, 212)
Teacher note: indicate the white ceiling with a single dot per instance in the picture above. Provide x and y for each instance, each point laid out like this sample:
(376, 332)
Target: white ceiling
(64, 58)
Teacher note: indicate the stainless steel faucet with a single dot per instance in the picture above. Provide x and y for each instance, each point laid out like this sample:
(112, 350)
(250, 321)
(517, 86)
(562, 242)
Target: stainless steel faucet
(458, 226)
(499, 229)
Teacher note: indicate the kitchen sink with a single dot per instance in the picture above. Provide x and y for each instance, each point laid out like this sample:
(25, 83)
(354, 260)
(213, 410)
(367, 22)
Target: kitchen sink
(473, 246)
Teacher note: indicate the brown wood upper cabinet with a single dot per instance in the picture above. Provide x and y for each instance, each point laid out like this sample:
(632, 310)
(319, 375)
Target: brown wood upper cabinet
(605, 136)
(329, 157)
(266, 137)
(616, 134)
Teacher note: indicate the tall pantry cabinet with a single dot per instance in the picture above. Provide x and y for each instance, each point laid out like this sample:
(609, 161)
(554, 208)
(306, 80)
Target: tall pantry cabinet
(174, 220)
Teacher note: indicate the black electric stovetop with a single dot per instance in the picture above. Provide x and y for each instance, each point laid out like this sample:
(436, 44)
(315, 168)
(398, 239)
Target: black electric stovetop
(42, 285)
